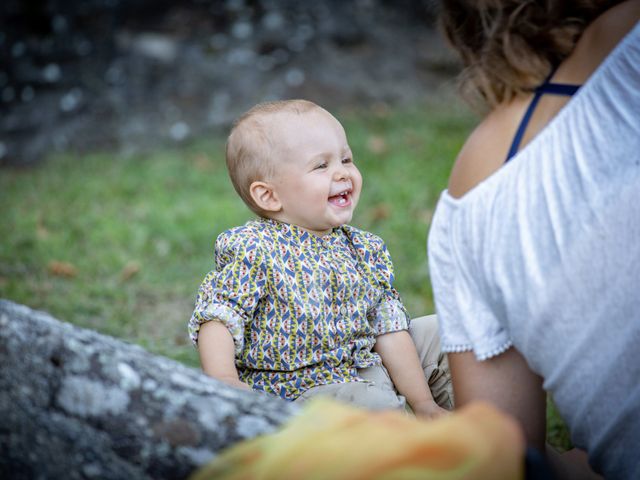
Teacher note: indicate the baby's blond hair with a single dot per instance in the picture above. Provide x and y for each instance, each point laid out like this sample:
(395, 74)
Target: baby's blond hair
(250, 150)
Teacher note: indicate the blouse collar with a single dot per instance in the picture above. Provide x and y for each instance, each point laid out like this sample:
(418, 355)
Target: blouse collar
(291, 230)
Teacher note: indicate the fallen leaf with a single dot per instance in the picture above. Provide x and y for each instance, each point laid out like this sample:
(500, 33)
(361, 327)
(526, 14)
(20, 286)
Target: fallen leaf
(62, 269)
(130, 269)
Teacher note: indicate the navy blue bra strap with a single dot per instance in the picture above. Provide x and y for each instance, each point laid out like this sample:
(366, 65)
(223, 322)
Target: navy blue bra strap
(558, 88)
(523, 126)
(546, 87)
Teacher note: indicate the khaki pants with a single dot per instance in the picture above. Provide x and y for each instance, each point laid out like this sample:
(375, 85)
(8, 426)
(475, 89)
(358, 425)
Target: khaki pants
(379, 393)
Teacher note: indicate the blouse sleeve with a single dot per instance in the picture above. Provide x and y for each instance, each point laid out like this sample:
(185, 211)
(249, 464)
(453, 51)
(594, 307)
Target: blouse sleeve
(466, 313)
(389, 314)
(231, 292)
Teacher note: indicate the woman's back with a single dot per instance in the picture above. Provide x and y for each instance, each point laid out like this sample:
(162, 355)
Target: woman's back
(544, 256)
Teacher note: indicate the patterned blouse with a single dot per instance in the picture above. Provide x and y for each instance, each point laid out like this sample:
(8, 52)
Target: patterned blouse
(303, 310)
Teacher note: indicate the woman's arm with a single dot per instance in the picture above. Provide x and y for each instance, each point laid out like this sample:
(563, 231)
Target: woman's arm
(507, 382)
(400, 358)
(217, 354)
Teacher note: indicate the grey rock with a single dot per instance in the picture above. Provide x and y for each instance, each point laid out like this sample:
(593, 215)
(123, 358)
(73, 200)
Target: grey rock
(77, 404)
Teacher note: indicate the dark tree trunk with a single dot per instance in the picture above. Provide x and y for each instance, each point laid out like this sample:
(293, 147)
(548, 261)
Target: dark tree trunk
(77, 404)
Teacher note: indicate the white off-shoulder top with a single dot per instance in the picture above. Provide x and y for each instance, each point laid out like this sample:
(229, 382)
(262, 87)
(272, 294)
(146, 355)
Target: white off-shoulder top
(544, 255)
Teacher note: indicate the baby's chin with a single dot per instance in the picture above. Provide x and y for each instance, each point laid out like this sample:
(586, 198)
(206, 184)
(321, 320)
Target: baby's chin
(341, 222)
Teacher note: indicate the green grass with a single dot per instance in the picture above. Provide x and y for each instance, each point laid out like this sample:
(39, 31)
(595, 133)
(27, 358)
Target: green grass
(133, 235)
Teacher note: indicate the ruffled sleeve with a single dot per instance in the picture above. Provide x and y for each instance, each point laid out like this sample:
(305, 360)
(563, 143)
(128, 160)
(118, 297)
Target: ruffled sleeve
(466, 312)
(230, 293)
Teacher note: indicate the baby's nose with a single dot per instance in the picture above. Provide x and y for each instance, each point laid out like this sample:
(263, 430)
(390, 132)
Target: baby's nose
(341, 173)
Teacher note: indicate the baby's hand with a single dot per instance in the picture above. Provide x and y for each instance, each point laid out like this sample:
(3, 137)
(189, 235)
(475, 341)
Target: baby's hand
(429, 410)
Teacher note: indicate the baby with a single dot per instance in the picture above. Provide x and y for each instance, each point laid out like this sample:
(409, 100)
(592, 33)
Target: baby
(300, 303)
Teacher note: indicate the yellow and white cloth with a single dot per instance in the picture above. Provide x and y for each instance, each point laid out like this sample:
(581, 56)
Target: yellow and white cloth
(332, 441)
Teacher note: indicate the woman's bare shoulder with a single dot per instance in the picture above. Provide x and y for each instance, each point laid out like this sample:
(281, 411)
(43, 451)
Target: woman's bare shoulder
(597, 41)
(486, 148)
(609, 28)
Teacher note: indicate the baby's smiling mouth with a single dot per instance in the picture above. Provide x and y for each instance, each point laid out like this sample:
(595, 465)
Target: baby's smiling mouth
(342, 198)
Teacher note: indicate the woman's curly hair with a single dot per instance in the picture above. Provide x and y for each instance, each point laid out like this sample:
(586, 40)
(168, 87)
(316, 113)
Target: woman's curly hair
(508, 47)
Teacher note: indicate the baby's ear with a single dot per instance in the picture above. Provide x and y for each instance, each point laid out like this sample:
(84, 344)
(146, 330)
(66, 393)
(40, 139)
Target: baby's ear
(265, 196)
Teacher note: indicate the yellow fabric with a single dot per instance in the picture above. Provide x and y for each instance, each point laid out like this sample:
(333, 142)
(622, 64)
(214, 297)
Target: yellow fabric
(332, 441)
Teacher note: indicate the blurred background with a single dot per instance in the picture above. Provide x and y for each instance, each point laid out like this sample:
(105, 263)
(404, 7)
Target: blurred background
(131, 73)
(113, 122)
(113, 117)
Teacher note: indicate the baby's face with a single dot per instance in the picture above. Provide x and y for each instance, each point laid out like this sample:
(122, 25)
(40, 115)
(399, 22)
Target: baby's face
(315, 179)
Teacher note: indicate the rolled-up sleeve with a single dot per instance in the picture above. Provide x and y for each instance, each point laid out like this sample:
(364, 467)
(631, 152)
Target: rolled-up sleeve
(389, 314)
(231, 292)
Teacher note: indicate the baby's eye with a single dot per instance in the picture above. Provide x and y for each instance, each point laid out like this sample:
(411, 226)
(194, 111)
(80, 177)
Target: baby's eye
(347, 160)
(320, 166)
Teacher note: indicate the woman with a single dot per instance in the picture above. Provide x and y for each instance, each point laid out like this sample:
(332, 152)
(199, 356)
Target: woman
(536, 264)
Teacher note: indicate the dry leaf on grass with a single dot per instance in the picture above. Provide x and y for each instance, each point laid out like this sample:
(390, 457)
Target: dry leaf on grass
(62, 269)
(130, 269)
